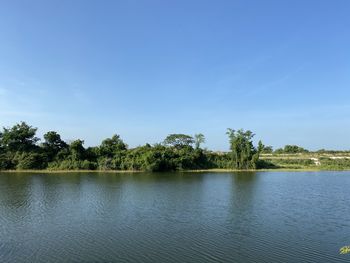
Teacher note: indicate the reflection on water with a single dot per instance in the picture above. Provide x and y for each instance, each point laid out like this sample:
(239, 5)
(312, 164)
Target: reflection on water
(174, 217)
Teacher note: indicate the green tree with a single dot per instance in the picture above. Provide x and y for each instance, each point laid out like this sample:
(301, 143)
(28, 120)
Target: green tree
(20, 137)
(199, 139)
(291, 149)
(77, 150)
(6, 161)
(111, 146)
(261, 147)
(244, 154)
(267, 149)
(294, 149)
(178, 140)
(53, 144)
(30, 160)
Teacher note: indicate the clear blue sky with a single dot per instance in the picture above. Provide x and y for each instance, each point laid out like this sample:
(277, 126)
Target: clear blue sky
(144, 69)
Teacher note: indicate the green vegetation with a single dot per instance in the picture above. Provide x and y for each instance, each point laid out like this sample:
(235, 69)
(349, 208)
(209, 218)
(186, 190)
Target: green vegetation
(327, 160)
(20, 149)
(243, 153)
(291, 149)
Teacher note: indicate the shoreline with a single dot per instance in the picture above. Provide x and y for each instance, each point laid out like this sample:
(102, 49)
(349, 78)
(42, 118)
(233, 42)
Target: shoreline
(183, 171)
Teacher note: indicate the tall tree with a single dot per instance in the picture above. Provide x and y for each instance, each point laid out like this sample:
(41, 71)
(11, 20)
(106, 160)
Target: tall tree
(178, 140)
(53, 144)
(110, 146)
(20, 137)
(244, 154)
(77, 150)
(261, 147)
(199, 139)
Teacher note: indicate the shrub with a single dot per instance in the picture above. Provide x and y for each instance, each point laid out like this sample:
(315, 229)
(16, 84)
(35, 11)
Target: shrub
(30, 161)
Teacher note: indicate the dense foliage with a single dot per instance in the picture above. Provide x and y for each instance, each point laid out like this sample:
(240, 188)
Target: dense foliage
(291, 149)
(20, 149)
(243, 153)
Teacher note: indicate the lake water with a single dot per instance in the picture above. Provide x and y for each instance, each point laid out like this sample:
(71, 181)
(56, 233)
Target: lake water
(175, 217)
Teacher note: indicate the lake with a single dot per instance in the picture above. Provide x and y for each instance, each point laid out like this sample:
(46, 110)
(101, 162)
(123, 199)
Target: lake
(175, 217)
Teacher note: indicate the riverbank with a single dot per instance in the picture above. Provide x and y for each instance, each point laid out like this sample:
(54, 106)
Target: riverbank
(69, 171)
(182, 171)
(314, 161)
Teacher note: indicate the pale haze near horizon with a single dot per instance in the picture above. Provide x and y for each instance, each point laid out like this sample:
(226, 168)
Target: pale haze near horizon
(145, 69)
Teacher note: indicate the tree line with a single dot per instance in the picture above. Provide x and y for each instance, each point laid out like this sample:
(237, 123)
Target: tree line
(21, 149)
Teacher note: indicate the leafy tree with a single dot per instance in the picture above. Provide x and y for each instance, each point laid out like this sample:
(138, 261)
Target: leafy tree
(263, 148)
(92, 154)
(279, 151)
(111, 146)
(53, 144)
(244, 154)
(53, 140)
(77, 150)
(178, 140)
(111, 153)
(294, 149)
(6, 161)
(267, 149)
(20, 137)
(199, 139)
(291, 149)
(159, 158)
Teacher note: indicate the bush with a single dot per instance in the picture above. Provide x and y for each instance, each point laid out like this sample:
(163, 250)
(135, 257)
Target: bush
(72, 165)
(288, 163)
(335, 164)
(6, 161)
(30, 161)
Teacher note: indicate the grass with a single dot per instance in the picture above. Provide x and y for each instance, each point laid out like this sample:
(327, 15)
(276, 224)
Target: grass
(272, 162)
(327, 161)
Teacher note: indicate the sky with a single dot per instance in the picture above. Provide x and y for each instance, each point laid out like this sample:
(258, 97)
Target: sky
(146, 69)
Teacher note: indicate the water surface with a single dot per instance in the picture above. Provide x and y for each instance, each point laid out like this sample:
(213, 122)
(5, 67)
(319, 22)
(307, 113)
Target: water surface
(175, 217)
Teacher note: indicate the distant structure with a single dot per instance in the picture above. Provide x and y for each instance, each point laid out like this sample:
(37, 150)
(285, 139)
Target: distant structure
(316, 161)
